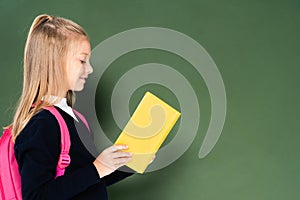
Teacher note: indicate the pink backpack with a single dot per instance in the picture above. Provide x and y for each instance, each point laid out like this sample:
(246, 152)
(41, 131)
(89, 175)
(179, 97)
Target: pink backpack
(10, 179)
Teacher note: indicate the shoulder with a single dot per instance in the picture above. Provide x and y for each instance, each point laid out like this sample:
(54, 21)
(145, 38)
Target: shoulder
(43, 126)
(39, 142)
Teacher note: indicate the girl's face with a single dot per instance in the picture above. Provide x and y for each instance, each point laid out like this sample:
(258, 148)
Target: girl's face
(78, 66)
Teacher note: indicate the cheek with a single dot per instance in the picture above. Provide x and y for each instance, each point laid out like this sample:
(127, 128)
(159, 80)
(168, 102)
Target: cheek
(72, 76)
(81, 70)
(78, 73)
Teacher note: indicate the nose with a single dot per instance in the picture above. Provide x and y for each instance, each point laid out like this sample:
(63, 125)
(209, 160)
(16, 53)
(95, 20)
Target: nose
(89, 69)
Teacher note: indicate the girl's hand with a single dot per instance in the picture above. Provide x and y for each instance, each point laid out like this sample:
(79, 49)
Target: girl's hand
(111, 159)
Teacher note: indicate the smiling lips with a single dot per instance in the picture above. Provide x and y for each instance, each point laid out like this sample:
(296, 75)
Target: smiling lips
(83, 79)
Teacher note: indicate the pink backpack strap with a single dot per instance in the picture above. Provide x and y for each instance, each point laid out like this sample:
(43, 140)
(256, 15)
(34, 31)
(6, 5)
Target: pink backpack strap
(10, 180)
(64, 158)
(82, 119)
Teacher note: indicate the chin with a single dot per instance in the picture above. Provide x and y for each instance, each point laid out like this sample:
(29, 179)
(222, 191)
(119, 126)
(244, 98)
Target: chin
(78, 89)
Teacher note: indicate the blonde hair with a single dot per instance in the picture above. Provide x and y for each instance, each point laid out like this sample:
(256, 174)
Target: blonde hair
(48, 43)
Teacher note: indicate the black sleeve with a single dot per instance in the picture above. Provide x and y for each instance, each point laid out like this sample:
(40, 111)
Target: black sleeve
(37, 149)
(118, 175)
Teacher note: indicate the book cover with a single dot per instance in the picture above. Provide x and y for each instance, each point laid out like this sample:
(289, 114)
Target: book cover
(147, 129)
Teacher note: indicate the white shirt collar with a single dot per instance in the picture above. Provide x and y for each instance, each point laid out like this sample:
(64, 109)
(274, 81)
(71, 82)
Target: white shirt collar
(65, 107)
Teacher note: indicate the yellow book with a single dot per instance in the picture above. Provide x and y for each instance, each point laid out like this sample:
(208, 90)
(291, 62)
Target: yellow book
(145, 132)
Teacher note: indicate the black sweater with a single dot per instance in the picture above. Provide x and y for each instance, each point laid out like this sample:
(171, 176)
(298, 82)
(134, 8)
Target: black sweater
(37, 149)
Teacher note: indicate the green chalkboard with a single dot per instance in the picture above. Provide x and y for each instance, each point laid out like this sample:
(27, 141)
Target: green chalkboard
(255, 46)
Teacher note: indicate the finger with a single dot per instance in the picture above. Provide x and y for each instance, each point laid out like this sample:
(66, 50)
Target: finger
(121, 161)
(154, 156)
(121, 146)
(121, 154)
(115, 148)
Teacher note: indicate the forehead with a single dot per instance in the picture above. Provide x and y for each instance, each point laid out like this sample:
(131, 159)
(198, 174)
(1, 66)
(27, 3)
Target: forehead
(82, 47)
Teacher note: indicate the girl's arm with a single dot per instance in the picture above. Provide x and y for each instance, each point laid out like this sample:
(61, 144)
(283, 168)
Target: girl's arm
(118, 175)
(37, 149)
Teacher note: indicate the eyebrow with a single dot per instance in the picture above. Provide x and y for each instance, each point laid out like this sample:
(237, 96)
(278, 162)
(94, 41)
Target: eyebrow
(84, 53)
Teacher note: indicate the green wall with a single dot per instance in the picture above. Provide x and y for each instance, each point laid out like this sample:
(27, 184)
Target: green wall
(255, 45)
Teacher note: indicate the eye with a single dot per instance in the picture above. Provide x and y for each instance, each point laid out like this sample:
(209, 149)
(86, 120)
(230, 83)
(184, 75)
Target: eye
(82, 61)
